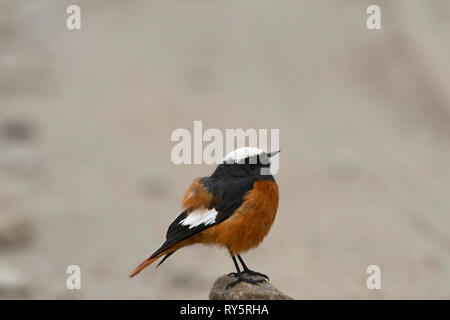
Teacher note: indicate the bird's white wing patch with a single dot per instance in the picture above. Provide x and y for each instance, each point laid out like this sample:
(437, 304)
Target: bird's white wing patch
(241, 154)
(197, 218)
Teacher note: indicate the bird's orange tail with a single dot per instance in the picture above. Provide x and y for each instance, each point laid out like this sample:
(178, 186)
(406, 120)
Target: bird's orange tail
(158, 254)
(145, 264)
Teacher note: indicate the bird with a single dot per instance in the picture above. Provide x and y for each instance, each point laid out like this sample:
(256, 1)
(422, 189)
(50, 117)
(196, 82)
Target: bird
(233, 208)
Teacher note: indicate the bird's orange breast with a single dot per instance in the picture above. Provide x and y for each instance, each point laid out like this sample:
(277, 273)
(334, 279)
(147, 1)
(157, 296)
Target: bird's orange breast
(247, 227)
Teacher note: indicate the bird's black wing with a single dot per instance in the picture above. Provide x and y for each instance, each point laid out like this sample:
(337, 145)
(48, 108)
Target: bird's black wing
(230, 195)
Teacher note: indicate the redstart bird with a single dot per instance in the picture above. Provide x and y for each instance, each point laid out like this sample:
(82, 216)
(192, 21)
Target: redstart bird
(233, 208)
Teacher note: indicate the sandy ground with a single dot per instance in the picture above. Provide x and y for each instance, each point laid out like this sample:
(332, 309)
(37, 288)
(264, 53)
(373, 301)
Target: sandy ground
(364, 118)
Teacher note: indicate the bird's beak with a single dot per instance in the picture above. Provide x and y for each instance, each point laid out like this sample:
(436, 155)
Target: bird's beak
(271, 154)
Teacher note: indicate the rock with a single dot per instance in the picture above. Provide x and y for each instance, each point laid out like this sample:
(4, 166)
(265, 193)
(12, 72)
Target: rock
(244, 290)
(12, 284)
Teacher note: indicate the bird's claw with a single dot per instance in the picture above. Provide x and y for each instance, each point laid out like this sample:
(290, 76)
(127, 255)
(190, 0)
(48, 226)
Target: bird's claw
(243, 279)
(254, 273)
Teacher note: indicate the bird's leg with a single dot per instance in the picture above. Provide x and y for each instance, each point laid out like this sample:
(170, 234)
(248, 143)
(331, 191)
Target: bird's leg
(251, 272)
(240, 276)
(235, 274)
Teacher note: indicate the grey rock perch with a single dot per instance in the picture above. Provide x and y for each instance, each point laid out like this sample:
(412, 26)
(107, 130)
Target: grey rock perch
(244, 291)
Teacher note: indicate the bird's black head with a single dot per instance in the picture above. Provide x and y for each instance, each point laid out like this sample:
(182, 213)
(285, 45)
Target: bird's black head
(245, 162)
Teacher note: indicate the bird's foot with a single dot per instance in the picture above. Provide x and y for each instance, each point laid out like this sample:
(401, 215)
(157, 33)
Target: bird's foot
(241, 278)
(233, 274)
(254, 273)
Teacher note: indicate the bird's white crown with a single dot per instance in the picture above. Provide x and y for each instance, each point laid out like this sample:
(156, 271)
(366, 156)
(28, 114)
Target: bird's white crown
(241, 153)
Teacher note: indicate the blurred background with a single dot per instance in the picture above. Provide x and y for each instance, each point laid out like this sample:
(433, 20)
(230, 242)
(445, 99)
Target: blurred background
(86, 118)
